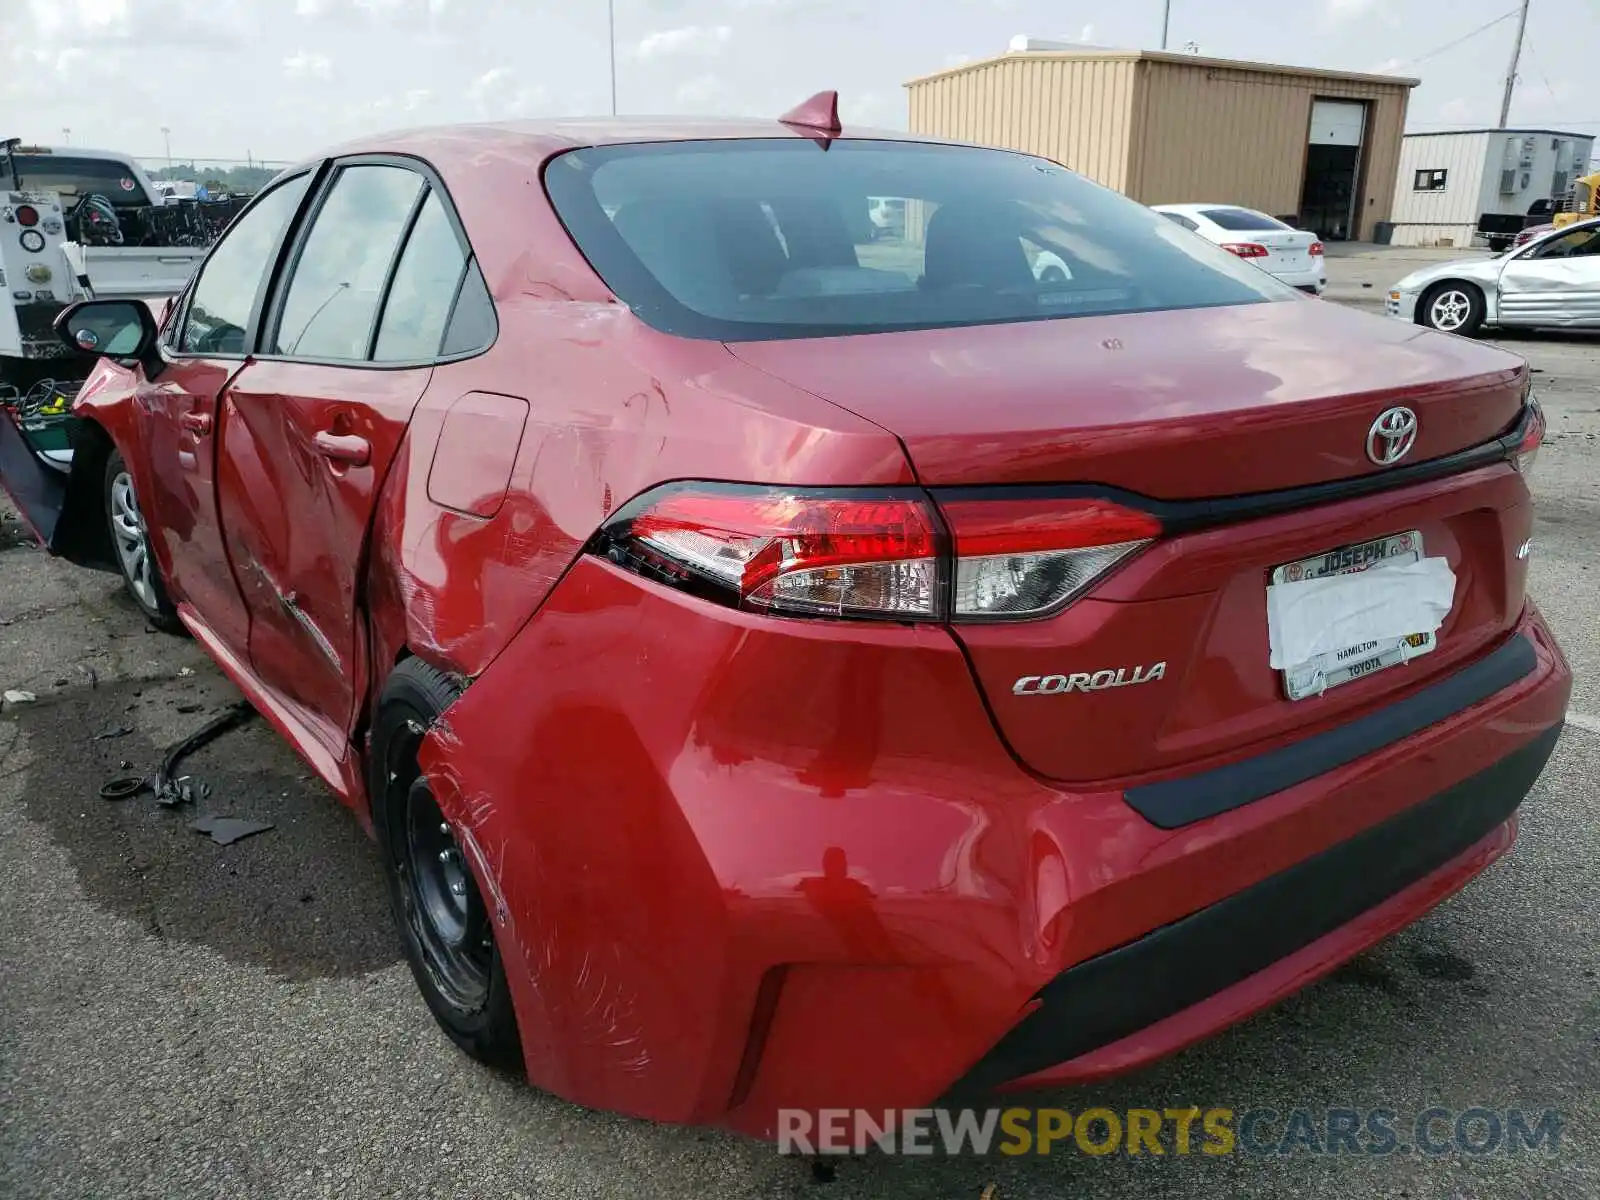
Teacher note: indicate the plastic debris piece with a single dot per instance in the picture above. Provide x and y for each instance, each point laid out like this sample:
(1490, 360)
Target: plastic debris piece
(225, 831)
(116, 731)
(16, 697)
(186, 672)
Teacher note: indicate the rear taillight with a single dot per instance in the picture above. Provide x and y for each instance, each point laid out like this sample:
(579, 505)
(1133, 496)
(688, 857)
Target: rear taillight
(1245, 249)
(883, 554)
(806, 553)
(1316, 250)
(1025, 558)
(1527, 450)
(27, 215)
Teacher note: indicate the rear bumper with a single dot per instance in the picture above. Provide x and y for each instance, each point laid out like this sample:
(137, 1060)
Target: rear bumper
(1240, 954)
(1312, 279)
(742, 864)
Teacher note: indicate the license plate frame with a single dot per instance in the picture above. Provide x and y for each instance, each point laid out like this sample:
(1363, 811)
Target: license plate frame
(1306, 681)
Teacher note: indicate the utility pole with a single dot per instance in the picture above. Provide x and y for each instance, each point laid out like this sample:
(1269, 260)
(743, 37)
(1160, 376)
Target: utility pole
(611, 38)
(1166, 21)
(166, 135)
(1511, 74)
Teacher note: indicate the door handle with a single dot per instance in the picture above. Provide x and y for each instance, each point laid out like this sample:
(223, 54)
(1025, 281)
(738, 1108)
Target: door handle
(196, 421)
(343, 448)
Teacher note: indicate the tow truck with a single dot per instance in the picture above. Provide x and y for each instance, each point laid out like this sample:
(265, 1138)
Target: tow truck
(77, 225)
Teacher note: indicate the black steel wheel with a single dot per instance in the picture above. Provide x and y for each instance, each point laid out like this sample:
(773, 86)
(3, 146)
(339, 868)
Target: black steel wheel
(445, 927)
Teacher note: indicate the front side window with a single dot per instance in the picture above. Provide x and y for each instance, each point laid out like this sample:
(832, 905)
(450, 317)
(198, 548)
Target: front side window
(225, 292)
(775, 238)
(333, 296)
(1579, 243)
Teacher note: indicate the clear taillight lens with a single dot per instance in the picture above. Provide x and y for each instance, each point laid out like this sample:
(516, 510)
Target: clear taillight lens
(1026, 558)
(787, 551)
(824, 552)
(1527, 450)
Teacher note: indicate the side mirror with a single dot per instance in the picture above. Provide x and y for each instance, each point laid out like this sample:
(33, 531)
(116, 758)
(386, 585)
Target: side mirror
(119, 329)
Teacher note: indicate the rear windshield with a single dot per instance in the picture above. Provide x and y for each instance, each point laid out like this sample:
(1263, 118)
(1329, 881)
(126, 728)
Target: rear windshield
(778, 238)
(74, 177)
(1242, 220)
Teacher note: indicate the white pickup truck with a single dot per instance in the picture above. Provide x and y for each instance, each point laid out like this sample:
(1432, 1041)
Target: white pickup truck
(44, 268)
(77, 225)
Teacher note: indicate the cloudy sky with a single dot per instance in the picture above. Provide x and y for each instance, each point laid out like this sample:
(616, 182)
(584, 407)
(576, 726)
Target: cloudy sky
(279, 78)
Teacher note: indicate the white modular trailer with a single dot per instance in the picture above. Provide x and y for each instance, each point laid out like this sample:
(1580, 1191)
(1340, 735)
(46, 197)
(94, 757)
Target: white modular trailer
(1448, 181)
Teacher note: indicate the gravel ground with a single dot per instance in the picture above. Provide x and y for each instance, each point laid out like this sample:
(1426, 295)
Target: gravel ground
(181, 1019)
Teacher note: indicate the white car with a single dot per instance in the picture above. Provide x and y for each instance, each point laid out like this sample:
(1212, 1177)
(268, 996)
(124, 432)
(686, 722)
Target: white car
(1552, 281)
(1290, 254)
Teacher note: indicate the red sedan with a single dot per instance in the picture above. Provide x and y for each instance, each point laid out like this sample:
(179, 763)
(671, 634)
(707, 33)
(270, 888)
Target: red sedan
(790, 665)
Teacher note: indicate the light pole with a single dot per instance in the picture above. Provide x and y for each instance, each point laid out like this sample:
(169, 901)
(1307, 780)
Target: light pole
(166, 136)
(611, 38)
(1166, 21)
(1511, 72)
(67, 134)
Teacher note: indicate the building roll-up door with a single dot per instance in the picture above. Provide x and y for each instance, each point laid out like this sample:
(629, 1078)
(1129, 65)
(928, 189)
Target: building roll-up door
(1333, 168)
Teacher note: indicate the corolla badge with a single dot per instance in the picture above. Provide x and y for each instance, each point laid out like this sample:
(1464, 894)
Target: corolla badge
(1392, 435)
(1087, 681)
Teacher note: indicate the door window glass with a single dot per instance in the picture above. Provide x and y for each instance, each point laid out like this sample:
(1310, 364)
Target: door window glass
(424, 288)
(338, 280)
(225, 292)
(1580, 243)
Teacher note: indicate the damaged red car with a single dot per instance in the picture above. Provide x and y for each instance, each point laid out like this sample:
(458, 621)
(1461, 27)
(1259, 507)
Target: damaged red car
(797, 650)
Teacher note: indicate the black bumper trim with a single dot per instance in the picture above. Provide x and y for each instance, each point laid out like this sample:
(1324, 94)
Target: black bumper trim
(1108, 997)
(1174, 803)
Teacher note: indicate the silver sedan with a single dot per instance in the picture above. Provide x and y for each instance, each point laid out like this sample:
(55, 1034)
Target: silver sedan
(1553, 281)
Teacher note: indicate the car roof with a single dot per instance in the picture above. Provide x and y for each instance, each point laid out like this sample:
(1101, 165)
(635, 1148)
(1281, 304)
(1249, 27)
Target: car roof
(535, 140)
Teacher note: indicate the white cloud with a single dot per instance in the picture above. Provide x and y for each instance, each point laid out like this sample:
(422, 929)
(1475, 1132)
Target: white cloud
(304, 65)
(1340, 11)
(957, 60)
(307, 8)
(690, 39)
(415, 99)
(491, 79)
(1458, 109)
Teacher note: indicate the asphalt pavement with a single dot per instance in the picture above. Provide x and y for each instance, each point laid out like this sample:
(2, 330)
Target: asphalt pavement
(184, 1019)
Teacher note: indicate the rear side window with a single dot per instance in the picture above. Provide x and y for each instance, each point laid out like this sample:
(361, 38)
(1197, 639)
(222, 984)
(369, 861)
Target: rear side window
(1180, 219)
(424, 287)
(773, 238)
(472, 325)
(1242, 220)
(333, 295)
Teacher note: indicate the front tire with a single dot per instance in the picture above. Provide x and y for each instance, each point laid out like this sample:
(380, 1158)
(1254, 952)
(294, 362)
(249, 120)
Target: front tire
(130, 539)
(445, 928)
(1453, 307)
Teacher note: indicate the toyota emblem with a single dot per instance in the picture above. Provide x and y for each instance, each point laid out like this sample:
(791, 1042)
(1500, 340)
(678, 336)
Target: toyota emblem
(1392, 435)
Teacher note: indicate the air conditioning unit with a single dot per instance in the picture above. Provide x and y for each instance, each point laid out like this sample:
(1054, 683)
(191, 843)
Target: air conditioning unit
(1508, 183)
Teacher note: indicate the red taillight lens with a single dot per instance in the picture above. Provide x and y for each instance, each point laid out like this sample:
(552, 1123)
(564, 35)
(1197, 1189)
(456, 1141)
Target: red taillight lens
(27, 215)
(800, 552)
(1025, 558)
(824, 552)
(1245, 249)
(1316, 250)
(1527, 450)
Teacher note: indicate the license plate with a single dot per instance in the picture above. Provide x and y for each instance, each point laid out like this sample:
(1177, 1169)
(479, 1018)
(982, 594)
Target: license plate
(1353, 662)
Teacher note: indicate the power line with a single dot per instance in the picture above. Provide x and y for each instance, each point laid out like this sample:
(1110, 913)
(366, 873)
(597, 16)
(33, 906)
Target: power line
(1466, 37)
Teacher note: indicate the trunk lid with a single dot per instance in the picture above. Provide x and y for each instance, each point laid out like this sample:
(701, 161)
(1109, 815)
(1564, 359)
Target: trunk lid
(1196, 405)
(1286, 251)
(1177, 405)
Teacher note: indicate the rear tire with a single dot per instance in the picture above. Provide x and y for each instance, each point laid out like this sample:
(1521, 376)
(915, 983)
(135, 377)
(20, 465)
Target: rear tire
(445, 927)
(130, 544)
(1453, 307)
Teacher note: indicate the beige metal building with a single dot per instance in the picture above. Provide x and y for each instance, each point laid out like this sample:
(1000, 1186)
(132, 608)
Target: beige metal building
(1321, 146)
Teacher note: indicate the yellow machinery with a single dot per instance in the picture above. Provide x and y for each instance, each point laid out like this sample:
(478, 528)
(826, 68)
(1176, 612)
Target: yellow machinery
(1582, 202)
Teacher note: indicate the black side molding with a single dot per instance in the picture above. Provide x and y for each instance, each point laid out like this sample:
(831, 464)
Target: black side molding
(1174, 803)
(1108, 997)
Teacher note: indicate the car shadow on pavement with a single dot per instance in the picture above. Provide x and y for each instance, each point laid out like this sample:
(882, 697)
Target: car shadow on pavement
(305, 899)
